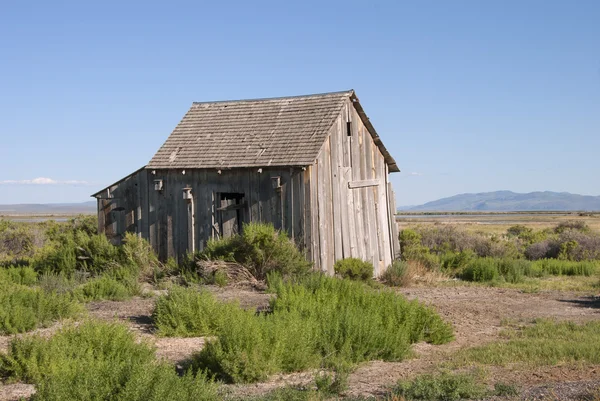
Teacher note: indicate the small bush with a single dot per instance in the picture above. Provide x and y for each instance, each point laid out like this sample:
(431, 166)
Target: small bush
(186, 312)
(354, 269)
(443, 386)
(261, 249)
(23, 309)
(106, 287)
(396, 274)
(98, 361)
(577, 225)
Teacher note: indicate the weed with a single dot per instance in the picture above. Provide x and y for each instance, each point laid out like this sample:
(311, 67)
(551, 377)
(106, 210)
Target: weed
(318, 321)
(98, 361)
(23, 275)
(505, 390)
(186, 312)
(396, 274)
(23, 308)
(106, 287)
(444, 386)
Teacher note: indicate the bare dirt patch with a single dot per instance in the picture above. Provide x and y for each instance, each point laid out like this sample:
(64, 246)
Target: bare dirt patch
(477, 315)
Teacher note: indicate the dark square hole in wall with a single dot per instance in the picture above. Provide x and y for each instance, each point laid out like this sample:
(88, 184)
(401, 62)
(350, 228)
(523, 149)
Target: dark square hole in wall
(229, 212)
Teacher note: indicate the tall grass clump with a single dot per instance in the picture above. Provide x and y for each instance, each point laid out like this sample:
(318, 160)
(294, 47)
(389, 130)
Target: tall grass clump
(23, 309)
(516, 270)
(98, 361)
(397, 274)
(261, 249)
(319, 321)
(187, 312)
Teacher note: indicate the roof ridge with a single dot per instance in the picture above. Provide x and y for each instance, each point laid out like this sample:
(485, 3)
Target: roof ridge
(266, 99)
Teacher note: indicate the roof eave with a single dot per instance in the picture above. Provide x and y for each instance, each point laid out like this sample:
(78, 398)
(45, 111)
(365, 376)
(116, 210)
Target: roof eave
(95, 195)
(392, 166)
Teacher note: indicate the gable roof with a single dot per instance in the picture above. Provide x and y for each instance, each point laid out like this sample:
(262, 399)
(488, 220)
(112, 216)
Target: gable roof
(285, 131)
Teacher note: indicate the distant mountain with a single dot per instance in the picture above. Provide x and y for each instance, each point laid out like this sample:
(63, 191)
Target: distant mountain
(49, 208)
(510, 201)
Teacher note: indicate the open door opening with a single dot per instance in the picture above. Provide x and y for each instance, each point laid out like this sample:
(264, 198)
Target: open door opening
(229, 214)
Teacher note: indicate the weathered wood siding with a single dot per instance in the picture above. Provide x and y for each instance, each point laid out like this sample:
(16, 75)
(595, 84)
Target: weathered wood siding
(123, 207)
(263, 201)
(351, 200)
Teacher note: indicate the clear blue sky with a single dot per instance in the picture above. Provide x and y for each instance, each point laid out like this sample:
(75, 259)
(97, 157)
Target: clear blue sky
(469, 96)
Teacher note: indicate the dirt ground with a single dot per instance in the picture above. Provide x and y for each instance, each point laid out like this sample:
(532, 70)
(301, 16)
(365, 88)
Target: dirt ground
(477, 314)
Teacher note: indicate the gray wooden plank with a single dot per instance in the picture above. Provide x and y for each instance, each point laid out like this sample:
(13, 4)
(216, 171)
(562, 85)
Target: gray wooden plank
(336, 178)
(363, 183)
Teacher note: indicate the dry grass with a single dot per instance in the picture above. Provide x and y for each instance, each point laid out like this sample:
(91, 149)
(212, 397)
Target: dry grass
(499, 223)
(418, 274)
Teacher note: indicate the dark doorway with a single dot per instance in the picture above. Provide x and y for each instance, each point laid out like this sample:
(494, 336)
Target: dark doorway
(230, 213)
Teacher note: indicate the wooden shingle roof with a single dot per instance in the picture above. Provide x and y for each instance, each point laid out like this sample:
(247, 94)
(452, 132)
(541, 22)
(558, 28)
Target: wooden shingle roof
(287, 131)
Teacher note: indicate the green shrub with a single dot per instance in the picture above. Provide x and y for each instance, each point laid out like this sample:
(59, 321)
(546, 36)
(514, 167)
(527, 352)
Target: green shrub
(515, 270)
(396, 274)
(481, 269)
(577, 225)
(138, 254)
(23, 309)
(106, 287)
(23, 275)
(453, 261)
(354, 269)
(98, 361)
(443, 386)
(261, 249)
(187, 312)
(567, 268)
(319, 321)
(410, 243)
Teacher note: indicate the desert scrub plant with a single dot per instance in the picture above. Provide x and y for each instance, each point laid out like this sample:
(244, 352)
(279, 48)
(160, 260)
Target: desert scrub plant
(188, 312)
(261, 249)
(319, 321)
(23, 308)
(98, 361)
(497, 269)
(396, 275)
(444, 386)
(544, 343)
(354, 269)
(23, 275)
(106, 288)
(566, 267)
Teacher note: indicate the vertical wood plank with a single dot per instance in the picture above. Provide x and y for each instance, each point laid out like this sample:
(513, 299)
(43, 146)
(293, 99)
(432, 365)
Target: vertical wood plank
(370, 209)
(315, 211)
(356, 194)
(335, 177)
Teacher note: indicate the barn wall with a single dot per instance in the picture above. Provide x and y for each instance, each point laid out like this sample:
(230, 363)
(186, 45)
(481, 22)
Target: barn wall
(123, 207)
(351, 222)
(168, 217)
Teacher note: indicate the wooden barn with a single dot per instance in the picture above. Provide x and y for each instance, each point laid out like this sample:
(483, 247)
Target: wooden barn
(313, 166)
